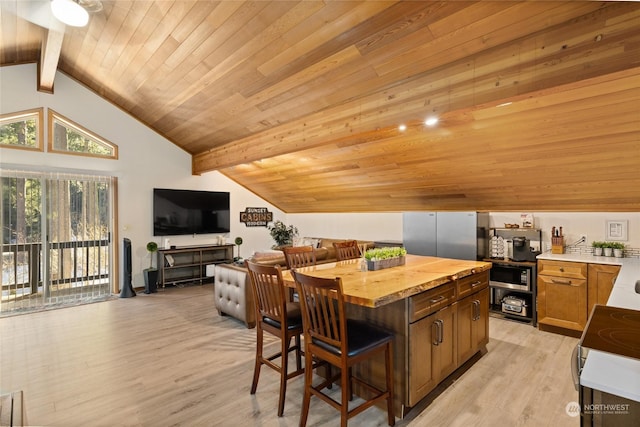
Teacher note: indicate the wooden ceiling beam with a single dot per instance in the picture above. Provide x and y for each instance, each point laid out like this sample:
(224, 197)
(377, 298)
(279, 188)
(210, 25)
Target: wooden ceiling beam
(49, 57)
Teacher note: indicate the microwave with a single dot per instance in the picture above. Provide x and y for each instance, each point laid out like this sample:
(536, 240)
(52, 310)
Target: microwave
(508, 276)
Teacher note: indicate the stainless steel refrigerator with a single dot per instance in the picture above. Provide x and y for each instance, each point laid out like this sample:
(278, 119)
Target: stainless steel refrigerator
(460, 235)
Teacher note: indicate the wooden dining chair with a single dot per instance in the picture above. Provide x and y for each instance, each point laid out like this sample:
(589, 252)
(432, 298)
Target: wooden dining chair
(279, 317)
(331, 337)
(299, 256)
(347, 250)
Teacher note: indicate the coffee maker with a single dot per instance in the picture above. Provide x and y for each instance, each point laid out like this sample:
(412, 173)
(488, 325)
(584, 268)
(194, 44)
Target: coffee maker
(522, 249)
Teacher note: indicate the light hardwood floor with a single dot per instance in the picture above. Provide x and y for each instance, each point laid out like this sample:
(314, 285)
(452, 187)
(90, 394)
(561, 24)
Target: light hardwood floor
(168, 359)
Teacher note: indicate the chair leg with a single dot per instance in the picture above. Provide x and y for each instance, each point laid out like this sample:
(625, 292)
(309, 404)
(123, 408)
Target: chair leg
(298, 353)
(389, 375)
(345, 381)
(284, 369)
(308, 377)
(258, 364)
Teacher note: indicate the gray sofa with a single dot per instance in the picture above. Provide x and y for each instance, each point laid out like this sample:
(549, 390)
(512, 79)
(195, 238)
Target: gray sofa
(233, 294)
(324, 251)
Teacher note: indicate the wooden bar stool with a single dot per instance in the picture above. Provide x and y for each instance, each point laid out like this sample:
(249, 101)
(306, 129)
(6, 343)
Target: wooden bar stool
(347, 250)
(277, 316)
(329, 336)
(299, 256)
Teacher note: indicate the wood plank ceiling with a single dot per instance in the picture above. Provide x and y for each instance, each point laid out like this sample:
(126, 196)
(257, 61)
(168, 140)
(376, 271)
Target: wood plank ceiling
(300, 101)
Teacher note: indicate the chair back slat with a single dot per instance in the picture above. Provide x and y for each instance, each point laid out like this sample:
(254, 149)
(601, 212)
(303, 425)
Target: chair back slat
(322, 306)
(299, 256)
(269, 291)
(347, 250)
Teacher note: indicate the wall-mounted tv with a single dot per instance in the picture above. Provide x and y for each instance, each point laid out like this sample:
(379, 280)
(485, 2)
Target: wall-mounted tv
(178, 212)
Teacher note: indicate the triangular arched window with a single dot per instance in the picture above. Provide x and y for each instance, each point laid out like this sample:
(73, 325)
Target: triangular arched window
(68, 137)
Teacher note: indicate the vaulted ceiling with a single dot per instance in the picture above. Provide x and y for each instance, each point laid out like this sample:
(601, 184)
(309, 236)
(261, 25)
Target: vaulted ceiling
(301, 102)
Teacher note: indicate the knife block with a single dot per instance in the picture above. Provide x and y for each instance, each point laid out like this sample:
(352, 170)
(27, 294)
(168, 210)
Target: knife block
(557, 245)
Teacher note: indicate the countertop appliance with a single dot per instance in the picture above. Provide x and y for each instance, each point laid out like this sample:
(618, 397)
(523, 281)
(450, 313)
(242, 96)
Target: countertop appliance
(459, 235)
(515, 244)
(511, 276)
(514, 305)
(522, 250)
(615, 331)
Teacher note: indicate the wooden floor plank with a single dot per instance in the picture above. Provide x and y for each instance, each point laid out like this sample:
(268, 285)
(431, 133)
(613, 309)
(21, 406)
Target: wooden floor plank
(169, 359)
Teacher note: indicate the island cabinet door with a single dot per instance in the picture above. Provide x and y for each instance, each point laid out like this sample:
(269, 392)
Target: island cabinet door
(473, 324)
(432, 352)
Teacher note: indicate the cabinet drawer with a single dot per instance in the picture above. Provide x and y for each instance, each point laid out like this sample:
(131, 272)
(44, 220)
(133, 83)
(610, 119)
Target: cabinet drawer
(427, 302)
(471, 284)
(556, 280)
(575, 270)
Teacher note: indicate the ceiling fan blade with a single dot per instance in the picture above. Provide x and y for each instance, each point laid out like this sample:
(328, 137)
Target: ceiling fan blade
(38, 12)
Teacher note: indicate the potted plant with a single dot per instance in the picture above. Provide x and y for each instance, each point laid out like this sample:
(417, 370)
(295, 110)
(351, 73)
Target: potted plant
(387, 257)
(282, 234)
(238, 242)
(618, 249)
(150, 274)
(597, 248)
(607, 248)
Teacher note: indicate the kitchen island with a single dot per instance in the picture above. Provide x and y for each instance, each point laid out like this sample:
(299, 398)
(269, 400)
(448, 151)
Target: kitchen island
(437, 308)
(605, 371)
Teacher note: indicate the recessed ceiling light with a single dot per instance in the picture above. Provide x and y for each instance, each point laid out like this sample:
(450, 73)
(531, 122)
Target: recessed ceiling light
(70, 12)
(402, 128)
(504, 104)
(431, 121)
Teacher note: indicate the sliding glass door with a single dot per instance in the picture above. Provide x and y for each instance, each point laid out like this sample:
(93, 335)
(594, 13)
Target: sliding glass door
(56, 239)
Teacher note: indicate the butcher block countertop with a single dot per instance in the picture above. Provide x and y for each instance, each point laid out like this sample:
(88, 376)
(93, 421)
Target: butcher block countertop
(380, 287)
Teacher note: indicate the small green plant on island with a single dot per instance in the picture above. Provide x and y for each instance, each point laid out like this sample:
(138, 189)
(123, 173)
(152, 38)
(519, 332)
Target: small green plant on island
(377, 254)
(597, 244)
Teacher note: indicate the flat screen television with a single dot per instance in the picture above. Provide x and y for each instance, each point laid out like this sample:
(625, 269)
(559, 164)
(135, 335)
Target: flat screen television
(178, 212)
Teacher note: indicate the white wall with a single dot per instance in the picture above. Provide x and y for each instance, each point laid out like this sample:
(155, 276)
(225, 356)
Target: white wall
(573, 224)
(146, 160)
(362, 226)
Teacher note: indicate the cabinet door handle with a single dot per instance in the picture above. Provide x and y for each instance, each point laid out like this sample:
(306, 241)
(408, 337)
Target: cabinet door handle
(440, 331)
(474, 284)
(561, 282)
(435, 300)
(435, 334)
(476, 310)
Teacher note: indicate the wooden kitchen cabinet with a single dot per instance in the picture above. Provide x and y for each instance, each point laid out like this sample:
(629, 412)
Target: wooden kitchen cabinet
(600, 283)
(432, 352)
(562, 295)
(567, 292)
(473, 324)
(443, 319)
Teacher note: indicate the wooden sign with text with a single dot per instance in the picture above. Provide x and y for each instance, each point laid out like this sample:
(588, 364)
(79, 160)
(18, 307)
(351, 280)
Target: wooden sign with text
(256, 217)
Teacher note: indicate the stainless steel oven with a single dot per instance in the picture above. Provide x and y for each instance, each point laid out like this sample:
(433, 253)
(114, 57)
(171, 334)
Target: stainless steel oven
(517, 277)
